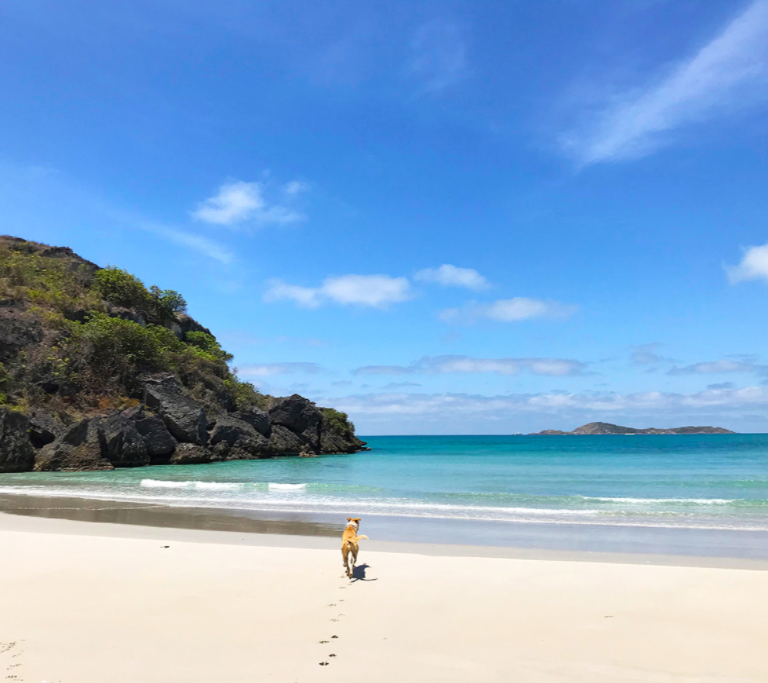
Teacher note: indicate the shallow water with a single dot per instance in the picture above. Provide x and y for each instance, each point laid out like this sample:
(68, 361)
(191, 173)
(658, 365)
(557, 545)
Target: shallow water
(705, 482)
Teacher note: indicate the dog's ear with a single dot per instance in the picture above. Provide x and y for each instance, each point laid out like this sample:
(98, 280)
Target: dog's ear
(349, 519)
(356, 519)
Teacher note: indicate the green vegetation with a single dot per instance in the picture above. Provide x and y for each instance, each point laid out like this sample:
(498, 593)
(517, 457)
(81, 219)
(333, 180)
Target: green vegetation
(92, 354)
(338, 421)
(123, 289)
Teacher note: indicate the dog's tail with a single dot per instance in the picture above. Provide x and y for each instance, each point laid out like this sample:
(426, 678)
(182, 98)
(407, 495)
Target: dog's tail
(360, 538)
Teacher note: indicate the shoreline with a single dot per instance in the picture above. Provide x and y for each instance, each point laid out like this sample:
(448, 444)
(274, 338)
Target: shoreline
(446, 538)
(91, 602)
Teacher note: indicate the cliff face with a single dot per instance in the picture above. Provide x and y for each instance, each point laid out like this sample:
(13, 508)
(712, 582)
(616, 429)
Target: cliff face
(97, 371)
(597, 428)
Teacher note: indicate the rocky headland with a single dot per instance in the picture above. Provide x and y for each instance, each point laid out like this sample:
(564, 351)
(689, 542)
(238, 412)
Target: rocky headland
(97, 371)
(595, 428)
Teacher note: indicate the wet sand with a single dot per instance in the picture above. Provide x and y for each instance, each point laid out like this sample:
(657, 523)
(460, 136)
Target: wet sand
(83, 604)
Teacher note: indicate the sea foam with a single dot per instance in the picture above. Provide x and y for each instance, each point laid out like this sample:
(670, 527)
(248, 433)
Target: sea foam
(286, 487)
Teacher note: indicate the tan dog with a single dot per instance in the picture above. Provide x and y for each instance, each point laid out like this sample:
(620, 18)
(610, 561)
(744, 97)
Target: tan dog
(349, 545)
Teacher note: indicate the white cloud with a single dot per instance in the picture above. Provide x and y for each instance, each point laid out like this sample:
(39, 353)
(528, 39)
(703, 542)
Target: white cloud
(719, 367)
(272, 369)
(438, 55)
(399, 411)
(729, 72)
(376, 291)
(295, 187)
(753, 266)
(306, 297)
(453, 276)
(508, 310)
(240, 202)
(553, 367)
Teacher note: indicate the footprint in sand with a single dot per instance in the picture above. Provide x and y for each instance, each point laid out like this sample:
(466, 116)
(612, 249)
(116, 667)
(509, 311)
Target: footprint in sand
(323, 663)
(334, 636)
(323, 642)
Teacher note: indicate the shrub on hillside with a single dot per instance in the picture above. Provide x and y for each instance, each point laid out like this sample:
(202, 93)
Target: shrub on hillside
(337, 421)
(121, 288)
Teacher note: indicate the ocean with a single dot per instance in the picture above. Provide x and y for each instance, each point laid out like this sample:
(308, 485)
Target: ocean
(664, 481)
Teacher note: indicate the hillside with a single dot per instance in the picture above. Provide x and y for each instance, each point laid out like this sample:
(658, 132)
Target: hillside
(98, 371)
(597, 428)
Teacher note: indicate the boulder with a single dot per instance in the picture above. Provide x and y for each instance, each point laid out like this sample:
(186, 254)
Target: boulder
(333, 442)
(242, 441)
(184, 417)
(157, 438)
(16, 451)
(190, 454)
(184, 324)
(125, 447)
(283, 441)
(258, 419)
(296, 413)
(43, 429)
(81, 447)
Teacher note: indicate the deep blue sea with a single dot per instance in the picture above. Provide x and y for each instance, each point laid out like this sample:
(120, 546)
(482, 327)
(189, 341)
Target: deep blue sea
(712, 481)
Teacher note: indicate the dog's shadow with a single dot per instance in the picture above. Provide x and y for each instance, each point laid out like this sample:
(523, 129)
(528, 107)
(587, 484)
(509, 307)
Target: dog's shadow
(358, 573)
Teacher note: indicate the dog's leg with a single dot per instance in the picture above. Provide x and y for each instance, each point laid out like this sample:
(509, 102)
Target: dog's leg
(354, 558)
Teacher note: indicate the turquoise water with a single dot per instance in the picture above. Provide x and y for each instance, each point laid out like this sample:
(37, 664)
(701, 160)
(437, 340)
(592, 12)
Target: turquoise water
(712, 481)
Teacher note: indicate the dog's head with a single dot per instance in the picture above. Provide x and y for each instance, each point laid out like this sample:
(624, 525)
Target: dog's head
(353, 521)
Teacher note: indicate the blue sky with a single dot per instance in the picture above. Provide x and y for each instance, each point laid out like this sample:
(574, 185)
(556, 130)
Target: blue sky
(442, 217)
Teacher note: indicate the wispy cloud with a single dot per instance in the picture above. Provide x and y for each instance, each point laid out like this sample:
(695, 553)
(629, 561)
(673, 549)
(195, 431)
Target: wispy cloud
(438, 56)
(729, 72)
(238, 202)
(647, 354)
(375, 291)
(272, 369)
(508, 310)
(753, 266)
(553, 367)
(453, 276)
(400, 385)
(720, 367)
(198, 243)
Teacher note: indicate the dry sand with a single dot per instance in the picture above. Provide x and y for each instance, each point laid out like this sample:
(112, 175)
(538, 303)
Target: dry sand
(80, 604)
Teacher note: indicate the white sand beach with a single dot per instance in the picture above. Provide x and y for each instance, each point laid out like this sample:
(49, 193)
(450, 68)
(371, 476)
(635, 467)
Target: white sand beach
(85, 603)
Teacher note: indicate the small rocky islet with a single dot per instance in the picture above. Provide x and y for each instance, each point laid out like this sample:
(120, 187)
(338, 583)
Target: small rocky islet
(97, 372)
(604, 428)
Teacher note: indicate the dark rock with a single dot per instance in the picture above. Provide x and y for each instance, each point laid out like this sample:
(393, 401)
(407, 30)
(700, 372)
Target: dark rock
(283, 441)
(231, 430)
(43, 429)
(241, 439)
(125, 447)
(18, 330)
(81, 447)
(126, 314)
(296, 413)
(258, 419)
(135, 413)
(332, 442)
(157, 438)
(184, 324)
(16, 451)
(190, 454)
(184, 417)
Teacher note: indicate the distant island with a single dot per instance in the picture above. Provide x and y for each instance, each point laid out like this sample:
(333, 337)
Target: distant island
(98, 371)
(595, 428)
